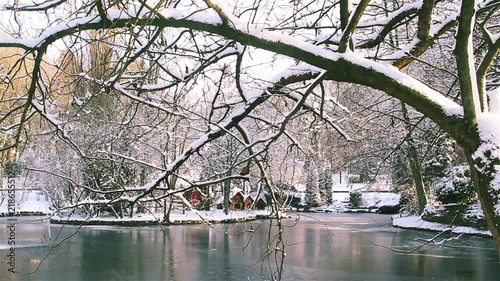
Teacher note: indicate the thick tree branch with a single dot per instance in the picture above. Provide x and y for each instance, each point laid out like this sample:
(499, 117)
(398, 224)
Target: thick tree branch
(424, 19)
(349, 29)
(465, 63)
(493, 48)
(396, 20)
(353, 68)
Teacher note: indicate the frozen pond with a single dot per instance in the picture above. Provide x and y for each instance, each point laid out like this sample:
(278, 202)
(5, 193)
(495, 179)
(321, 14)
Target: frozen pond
(321, 247)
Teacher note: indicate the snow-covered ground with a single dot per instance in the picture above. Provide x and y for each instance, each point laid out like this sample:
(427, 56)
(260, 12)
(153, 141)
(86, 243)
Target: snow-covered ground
(212, 216)
(369, 200)
(416, 222)
(473, 212)
(378, 199)
(26, 201)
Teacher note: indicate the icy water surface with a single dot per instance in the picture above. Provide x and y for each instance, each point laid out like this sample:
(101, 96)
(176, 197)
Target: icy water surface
(320, 247)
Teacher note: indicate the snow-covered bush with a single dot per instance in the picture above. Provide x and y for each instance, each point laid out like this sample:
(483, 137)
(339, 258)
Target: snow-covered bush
(355, 198)
(437, 165)
(312, 193)
(408, 199)
(455, 187)
(12, 168)
(325, 186)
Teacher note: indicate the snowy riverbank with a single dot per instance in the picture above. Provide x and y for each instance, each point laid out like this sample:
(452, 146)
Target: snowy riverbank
(189, 217)
(416, 222)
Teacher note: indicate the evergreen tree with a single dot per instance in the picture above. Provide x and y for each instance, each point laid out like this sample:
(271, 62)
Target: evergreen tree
(455, 186)
(436, 167)
(312, 192)
(401, 176)
(325, 186)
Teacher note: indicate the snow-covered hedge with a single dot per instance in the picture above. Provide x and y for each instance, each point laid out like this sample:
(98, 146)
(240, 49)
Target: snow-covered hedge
(456, 214)
(456, 187)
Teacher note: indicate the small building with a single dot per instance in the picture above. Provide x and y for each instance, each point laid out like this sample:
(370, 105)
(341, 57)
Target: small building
(260, 203)
(236, 200)
(194, 197)
(248, 201)
(241, 201)
(197, 199)
(255, 200)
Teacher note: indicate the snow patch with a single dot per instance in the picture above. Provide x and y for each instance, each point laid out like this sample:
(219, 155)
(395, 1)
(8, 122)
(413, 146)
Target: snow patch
(494, 97)
(29, 201)
(204, 17)
(187, 216)
(416, 222)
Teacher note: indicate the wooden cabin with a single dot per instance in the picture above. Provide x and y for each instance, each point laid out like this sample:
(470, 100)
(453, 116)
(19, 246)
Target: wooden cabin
(260, 203)
(194, 197)
(237, 201)
(240, 201)
(248, 201)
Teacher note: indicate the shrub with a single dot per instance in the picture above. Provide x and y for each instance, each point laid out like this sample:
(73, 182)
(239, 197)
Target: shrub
(12, 168)
(408, 200)
(456, 187)
(355, 198)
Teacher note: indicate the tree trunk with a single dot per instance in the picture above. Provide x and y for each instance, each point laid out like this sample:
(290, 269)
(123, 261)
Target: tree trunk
(131, 214)
(166, 213)
(227, 193)
(488, 190)
(417, 177)
(414, 163)
(121, 210)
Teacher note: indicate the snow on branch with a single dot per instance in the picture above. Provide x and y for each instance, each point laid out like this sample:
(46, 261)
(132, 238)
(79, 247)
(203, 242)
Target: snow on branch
(405, 10)
(217, 131)
(272, 41)
(328, 119)
(33, 7)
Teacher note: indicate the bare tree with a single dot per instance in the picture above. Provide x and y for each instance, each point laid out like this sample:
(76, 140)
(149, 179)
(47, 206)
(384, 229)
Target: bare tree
(194, 45)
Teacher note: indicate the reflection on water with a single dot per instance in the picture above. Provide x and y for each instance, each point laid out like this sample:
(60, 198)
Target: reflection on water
(320, 247)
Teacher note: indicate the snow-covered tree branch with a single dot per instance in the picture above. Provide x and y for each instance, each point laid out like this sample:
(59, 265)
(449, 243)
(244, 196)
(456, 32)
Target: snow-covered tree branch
(142, 85)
